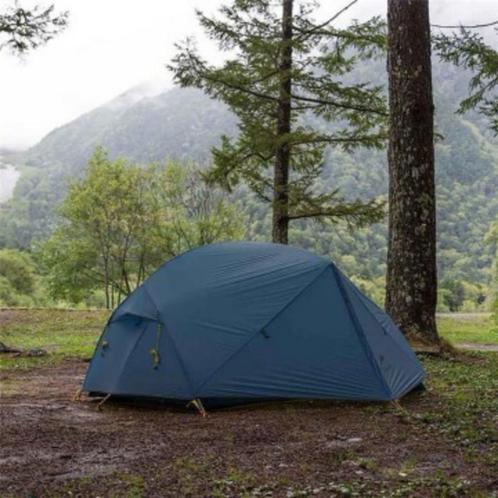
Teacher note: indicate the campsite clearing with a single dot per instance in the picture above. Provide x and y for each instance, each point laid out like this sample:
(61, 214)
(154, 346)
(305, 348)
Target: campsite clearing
(443, 442)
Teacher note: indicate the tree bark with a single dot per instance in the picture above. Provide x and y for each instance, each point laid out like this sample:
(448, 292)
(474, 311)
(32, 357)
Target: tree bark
(282, 159)
(411, 287)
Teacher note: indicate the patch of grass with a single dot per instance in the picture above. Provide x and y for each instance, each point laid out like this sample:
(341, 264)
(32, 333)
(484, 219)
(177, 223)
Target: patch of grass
(467, 401)
(122, 485)
(201, 476)
(468, 327)
(64, 334)
(436, 486)
(337, 458)
(235, 483)
(368, 463)
(192, 473)
(135, 485)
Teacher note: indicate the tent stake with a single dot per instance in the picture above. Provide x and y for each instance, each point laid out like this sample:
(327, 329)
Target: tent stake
(397, 406)
(198, 404)
(77, 395)
(99, 406)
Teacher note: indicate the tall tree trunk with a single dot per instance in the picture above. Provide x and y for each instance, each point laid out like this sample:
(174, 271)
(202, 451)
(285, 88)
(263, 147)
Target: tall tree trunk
(411, 291)
(282, 158)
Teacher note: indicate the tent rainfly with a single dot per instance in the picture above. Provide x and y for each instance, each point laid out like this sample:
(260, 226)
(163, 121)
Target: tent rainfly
(243, 321)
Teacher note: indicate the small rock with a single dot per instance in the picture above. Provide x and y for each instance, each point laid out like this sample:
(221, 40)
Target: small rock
(354, 440)
(36, 352)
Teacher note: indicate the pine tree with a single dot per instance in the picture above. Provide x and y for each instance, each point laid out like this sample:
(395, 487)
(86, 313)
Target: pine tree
(411, 291)
(285, 76)
(468, 49)
(24, 29)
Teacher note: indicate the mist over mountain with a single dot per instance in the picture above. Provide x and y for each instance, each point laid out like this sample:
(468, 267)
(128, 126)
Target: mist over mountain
(184, 124)
(181, 124)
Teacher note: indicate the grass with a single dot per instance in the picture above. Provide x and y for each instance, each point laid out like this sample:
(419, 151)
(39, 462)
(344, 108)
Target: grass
(467, 407)
(64, 334)
(474, 327)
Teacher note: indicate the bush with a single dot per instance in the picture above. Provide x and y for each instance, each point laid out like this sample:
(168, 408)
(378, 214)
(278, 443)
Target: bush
(10, 297)
(18, 270)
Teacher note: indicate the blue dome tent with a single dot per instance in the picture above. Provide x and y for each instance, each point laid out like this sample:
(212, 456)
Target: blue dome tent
(250, 321)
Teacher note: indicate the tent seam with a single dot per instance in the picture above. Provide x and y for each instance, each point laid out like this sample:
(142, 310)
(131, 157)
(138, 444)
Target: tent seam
(175, 348)
(382, 326)
(386, 330)
(360, 333)
(260, 329)
(400, 350)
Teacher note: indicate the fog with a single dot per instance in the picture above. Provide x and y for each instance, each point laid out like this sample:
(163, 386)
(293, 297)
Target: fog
(113, 45)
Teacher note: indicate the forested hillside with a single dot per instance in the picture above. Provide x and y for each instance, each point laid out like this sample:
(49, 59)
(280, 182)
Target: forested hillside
(178, 124)
(185, 124)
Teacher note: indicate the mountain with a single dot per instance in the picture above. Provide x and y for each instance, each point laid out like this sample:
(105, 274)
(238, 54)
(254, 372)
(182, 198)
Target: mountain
(179, 124)
(184, 124)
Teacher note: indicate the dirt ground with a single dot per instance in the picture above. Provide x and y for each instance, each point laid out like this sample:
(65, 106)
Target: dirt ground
(54, 446)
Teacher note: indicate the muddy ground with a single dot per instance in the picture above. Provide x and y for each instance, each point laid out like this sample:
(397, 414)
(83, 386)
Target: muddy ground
(53, 446)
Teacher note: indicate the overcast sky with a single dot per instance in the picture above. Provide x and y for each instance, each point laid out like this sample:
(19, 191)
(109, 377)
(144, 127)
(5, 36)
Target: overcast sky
(112, 45)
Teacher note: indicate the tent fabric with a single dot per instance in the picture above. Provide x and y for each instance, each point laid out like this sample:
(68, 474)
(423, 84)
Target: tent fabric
(251, 321)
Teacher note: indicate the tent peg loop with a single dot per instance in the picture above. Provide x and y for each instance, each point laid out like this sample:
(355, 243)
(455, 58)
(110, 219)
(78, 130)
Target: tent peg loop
(99, 406)
(198, 404)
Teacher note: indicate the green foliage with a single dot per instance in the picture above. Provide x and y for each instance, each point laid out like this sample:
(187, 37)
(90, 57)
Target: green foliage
(8, 295)
(374, 289)
(18, 269)
(467, 48)
(453, 295)
(22, 30)
(196, 214)
(19, 280)
(122, 221)
(491, 240)
(322, 59)
(466, 177)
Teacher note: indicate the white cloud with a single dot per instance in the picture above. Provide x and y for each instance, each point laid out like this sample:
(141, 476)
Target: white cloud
(112, 45)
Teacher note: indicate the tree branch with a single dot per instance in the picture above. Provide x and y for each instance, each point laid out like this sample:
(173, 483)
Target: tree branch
(339, 105)
(471, 26)
(328, 21)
